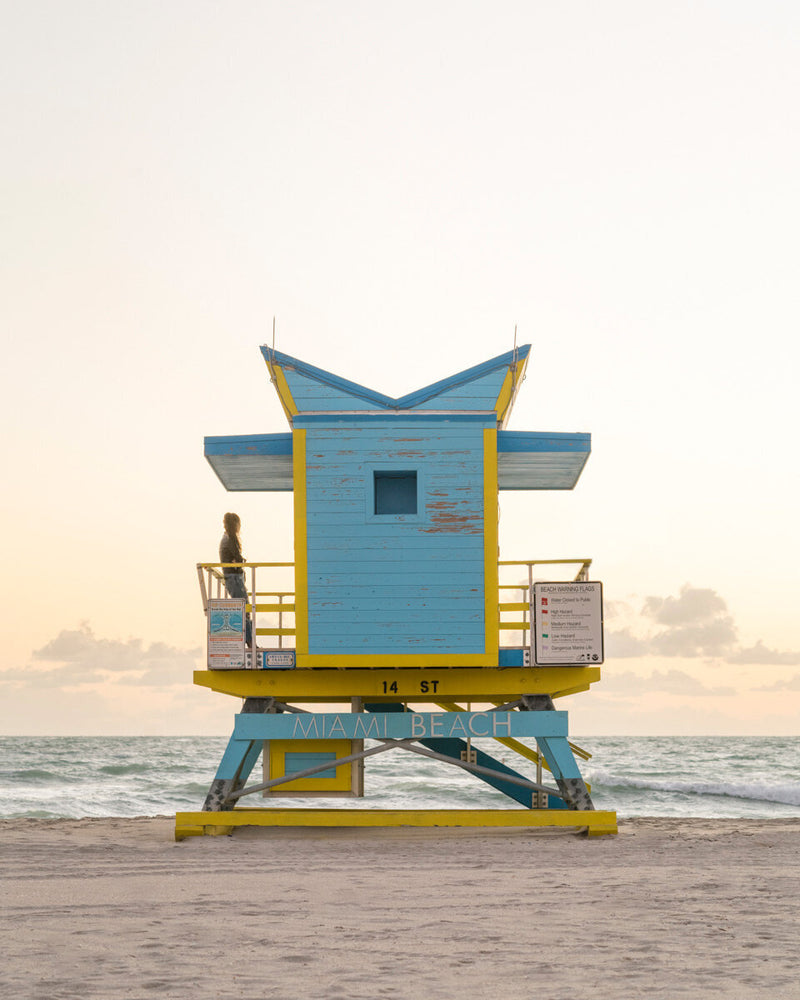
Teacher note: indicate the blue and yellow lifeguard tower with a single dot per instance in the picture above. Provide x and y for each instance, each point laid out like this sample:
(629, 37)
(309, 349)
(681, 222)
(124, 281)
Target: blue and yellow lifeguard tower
(392, 613)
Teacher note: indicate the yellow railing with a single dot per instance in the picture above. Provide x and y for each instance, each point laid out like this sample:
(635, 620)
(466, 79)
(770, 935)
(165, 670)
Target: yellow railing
(523, 588)
(278, 604)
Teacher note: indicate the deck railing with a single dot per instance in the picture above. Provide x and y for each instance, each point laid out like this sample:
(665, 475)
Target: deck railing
(276, 606)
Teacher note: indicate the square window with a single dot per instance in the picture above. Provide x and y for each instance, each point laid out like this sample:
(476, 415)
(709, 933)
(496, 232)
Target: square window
(396, 492)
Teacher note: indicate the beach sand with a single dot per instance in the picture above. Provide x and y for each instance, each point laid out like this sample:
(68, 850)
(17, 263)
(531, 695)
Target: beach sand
(113, 908)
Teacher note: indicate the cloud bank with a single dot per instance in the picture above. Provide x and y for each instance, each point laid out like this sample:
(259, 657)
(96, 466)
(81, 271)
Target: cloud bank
(694, 624)
(79, 658)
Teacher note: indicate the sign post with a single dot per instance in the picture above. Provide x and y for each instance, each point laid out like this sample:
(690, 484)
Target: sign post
(567, 621)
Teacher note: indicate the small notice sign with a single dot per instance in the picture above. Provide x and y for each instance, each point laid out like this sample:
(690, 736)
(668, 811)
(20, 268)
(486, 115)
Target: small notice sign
(567, 620)
(276, 659)
(226, 634)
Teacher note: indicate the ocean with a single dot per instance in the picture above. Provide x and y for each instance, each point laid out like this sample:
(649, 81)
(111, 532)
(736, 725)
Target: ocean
(709, 777)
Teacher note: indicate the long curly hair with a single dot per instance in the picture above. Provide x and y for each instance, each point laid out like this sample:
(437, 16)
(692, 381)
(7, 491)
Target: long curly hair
(233, 525)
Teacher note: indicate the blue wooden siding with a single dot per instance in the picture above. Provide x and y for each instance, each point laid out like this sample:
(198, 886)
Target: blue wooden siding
(296, 761)
(480, 394)
(313, 396)
(309, 394)
(395, 583)
(316, 390)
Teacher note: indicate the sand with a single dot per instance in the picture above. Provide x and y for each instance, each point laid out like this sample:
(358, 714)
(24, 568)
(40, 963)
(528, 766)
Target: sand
(668, 908)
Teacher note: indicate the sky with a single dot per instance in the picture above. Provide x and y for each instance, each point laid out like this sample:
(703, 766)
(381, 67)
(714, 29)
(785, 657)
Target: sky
(401, 186)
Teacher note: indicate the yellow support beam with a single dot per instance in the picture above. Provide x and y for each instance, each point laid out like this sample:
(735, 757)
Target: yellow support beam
(193, 824)
(414, 686)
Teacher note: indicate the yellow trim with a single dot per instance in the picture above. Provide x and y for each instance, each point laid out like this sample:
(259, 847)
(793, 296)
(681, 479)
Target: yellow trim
(490, 541)
(283, 390)
(509, 389)
(504, 396)
(300, 541)
(192, 824)
(342, 781)
(424, 686)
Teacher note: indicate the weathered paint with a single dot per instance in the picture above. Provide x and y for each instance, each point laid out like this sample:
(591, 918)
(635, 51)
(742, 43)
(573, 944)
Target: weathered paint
(437, 555)
(525, 460)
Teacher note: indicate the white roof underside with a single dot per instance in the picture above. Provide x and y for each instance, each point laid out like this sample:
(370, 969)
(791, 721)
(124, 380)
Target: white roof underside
(550, 470)
(260, 473)
(515, 471)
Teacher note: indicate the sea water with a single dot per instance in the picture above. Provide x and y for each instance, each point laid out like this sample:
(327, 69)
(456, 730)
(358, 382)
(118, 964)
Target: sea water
(73, 777)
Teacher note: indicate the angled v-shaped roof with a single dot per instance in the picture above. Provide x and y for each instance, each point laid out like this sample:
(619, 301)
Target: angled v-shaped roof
(491, 386)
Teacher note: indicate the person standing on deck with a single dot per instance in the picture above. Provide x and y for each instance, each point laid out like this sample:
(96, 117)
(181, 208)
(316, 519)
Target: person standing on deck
(230, 551)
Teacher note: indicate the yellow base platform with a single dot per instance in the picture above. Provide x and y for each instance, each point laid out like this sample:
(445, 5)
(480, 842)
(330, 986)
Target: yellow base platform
(198, 824)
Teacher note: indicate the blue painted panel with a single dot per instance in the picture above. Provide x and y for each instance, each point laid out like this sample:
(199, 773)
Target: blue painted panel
(399, 725)
(392, 540)
(558, 755)
(501, 362)
(249, 444)
(355, 557)
(239, 759)
(293, 367)
(537, 441)
(309, 394)
(302, 377)
(377, 631)
(478, 395)
(294, 762)
(411, 606)
(410, 417)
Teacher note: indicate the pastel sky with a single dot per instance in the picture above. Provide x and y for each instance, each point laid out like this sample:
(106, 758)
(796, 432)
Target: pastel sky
(401, 185)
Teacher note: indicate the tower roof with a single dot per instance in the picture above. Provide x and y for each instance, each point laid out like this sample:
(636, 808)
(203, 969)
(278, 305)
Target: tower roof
(488, 387)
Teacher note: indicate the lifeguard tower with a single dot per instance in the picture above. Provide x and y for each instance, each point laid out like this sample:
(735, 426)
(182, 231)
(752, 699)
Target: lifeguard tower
(391, 617)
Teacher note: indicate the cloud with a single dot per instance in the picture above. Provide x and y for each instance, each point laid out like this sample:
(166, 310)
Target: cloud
(623, 643)
(763, 654)
(788, 684)
(694, 624)
(666, 682)
(710, 638)
(693, 606)
(697, 623)
(82, 659)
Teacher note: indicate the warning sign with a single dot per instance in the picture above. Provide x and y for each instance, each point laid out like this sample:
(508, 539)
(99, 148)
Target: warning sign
(567, 620)
(226, 634)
